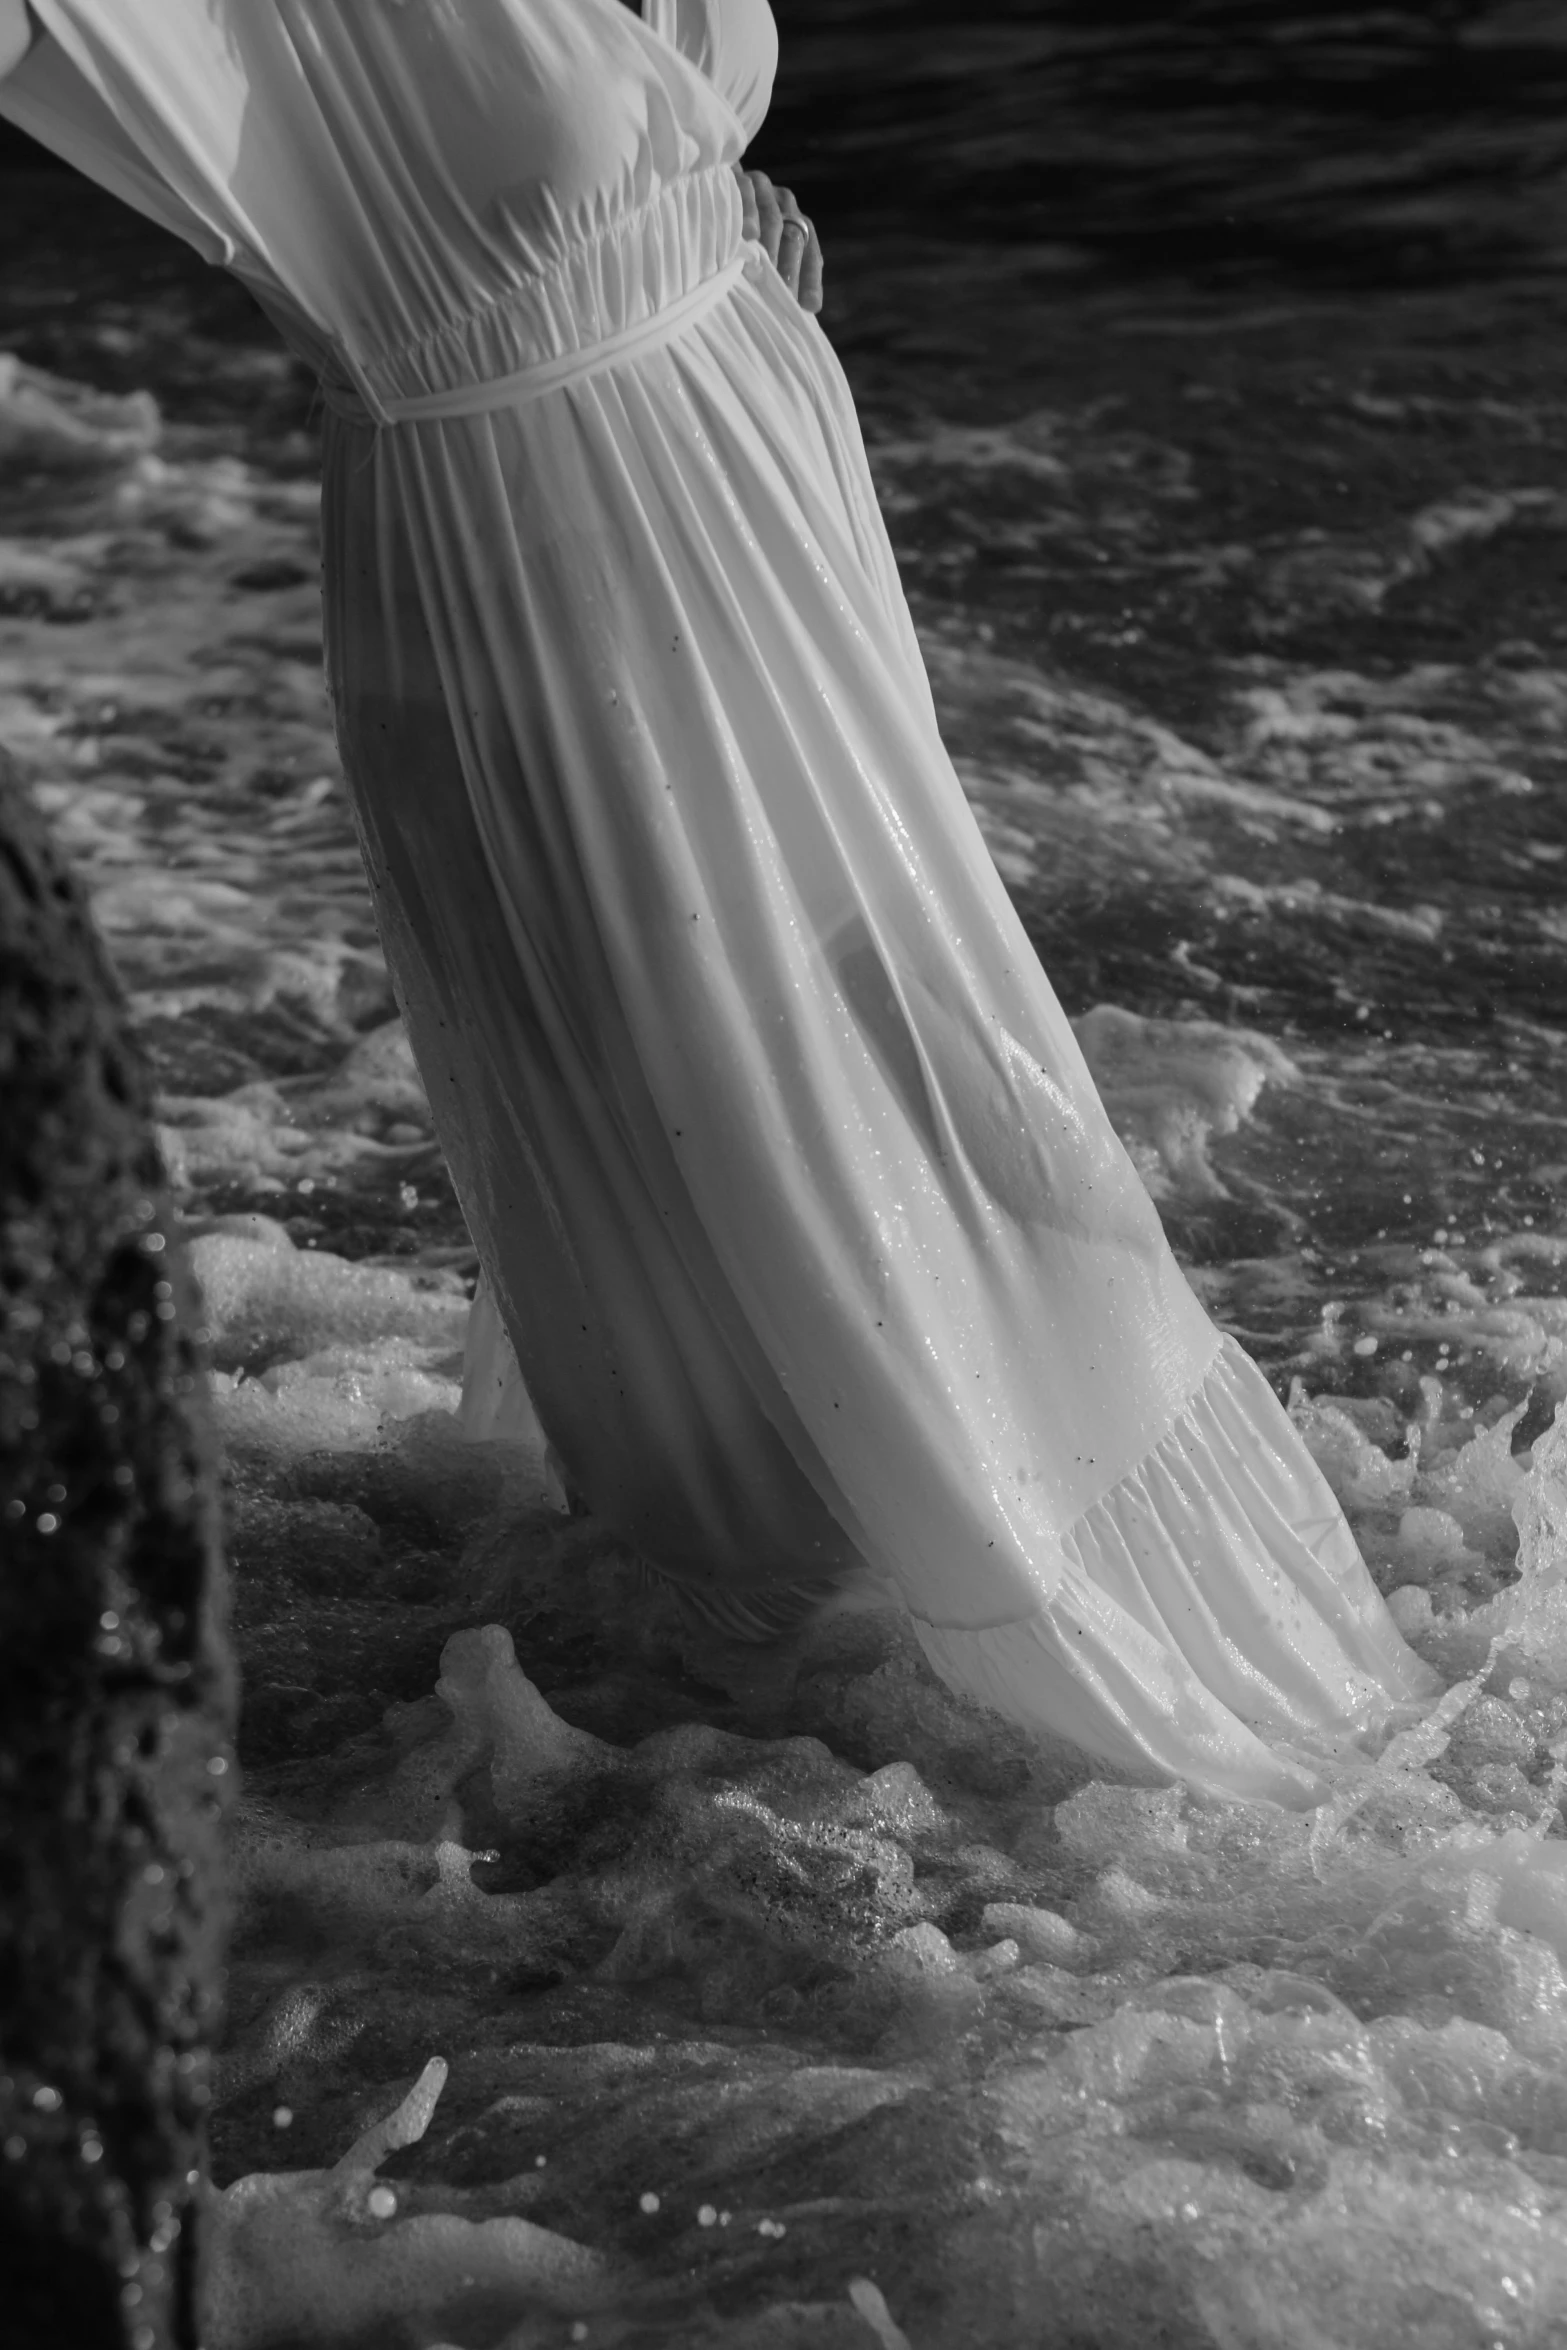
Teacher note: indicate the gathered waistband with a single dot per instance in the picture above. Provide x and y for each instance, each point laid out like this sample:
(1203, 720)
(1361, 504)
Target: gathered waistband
(358, 404)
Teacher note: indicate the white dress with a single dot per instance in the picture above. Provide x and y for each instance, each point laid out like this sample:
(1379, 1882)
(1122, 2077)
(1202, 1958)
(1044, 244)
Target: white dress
(790, 1183)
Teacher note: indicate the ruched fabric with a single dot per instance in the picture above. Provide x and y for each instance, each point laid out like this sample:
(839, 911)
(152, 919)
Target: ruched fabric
(795, 1201)
(1213, 1620)
(480, 394)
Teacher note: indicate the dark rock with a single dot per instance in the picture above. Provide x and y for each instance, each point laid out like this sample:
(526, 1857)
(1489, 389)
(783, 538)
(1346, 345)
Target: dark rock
(116, 1691)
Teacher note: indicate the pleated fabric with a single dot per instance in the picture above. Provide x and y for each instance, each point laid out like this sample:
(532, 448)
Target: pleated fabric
(807, 1230)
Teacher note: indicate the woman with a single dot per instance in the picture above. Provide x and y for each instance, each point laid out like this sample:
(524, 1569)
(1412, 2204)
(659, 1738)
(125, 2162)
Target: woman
(790, 1184)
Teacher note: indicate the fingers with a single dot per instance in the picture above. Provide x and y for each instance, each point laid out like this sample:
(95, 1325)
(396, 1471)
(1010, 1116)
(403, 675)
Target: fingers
(750, 225)
(810, 285)
(787, 237)
(770, 213)
(793, 235)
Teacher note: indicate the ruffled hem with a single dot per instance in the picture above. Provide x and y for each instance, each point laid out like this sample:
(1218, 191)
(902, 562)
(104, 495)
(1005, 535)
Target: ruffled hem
(1214, 1621)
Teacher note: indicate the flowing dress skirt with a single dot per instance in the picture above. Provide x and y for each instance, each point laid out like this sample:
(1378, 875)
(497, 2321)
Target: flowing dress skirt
(789, 1181)
(791, 1186)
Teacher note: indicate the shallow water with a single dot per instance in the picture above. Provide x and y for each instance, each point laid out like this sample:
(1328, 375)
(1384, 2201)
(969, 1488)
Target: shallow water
(1242, 605)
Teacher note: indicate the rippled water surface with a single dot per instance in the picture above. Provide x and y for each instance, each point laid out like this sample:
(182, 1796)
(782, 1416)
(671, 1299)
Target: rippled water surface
(819, 2007)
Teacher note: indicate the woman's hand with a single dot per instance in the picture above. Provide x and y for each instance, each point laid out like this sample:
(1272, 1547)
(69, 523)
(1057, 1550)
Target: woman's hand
(772, 215)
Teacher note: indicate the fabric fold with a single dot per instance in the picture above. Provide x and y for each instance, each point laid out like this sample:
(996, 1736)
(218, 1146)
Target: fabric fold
(1213, 1620)
(790, 1182)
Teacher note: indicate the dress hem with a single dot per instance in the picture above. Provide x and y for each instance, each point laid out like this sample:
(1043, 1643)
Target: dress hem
(1082, 1523)
(1212, 1620)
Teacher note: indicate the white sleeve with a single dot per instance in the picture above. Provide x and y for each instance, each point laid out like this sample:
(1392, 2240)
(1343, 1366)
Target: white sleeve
(51, 98)
(733, 42)
(16, 35)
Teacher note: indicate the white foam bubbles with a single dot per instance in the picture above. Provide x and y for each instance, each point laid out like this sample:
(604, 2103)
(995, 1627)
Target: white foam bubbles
(266, 1299)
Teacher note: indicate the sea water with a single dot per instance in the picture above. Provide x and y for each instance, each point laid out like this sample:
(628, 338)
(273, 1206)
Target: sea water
(781, 1997)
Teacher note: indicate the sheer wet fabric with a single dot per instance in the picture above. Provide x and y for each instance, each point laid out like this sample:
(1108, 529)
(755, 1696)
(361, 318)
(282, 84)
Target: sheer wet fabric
(797, 1207)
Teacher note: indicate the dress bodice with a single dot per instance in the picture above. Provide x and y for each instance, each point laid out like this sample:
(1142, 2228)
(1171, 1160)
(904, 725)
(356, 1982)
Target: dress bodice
(426, 191)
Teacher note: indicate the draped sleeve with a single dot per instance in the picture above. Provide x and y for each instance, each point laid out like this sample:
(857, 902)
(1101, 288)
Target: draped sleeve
(380, 175)
(54, 97)
(733, 42)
